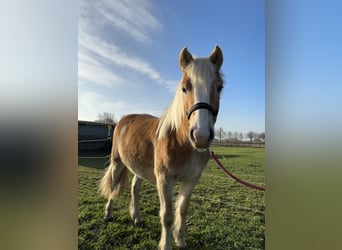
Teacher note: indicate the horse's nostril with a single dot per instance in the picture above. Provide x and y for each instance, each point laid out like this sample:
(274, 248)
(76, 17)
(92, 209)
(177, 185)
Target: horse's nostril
(201, 138)
(211, 135)
(192, 137)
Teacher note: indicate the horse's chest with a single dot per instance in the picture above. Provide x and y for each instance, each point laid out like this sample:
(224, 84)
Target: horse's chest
(190, 169)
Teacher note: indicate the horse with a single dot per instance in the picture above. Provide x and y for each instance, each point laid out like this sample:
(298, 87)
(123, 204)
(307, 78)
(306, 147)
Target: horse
(170, 149)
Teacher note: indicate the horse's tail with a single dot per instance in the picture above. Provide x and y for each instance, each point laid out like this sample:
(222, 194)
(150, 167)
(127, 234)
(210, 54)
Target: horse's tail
(114, 181)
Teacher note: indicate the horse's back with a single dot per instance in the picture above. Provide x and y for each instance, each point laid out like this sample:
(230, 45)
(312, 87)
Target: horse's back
(133, 143)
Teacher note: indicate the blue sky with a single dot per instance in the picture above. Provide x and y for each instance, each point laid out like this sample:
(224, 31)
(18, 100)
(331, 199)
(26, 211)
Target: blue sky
(128, 56)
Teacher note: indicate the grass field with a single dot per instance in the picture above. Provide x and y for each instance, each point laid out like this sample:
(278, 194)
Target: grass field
(222, 213)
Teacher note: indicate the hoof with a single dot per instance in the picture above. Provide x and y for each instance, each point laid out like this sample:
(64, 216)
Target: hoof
(164, 248)
(181, 246)
(106, 220)
(138, 222)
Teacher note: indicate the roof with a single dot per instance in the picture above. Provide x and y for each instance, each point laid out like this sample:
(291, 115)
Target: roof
(95, 123)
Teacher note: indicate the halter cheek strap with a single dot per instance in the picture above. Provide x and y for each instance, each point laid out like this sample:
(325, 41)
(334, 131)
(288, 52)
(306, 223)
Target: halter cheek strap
(202, 105)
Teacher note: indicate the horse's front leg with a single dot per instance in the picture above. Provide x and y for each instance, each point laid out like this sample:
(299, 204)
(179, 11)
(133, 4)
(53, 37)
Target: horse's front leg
(165, 190)
(182, 204)
(134, 205)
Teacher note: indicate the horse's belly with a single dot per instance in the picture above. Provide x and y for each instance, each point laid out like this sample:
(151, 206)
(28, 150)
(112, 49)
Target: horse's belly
(142, 171)
(139, 162)
(135, 146)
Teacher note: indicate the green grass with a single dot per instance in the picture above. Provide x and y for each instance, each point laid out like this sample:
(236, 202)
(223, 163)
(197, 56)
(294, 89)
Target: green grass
(222, 213)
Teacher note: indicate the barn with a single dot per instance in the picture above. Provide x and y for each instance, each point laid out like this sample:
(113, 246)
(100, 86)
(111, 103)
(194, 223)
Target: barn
(94, 135)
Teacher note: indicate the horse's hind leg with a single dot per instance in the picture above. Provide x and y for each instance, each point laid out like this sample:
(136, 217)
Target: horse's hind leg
(112, 184)
(109, 206)
(108, 211)
(134, 205)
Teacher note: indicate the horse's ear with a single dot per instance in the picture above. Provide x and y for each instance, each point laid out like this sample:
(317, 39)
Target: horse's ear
(184, 58)
(216, 57)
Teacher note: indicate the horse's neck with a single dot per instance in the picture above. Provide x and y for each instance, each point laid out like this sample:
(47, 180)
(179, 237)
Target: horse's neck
(182, 134)
(178, 137)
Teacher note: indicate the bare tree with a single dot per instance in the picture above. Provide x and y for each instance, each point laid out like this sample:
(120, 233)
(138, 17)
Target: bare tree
(230, 135)
(240, 136)
(262, 136)
(236, 135)
(220, 133)
(106, 117)
(251, 135)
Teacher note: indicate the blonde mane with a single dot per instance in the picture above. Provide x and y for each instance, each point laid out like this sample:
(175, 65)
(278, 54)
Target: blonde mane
(172, 117)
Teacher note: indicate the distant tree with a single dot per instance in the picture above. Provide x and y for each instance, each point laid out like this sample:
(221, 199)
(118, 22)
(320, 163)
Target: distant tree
(262, 136)
(240, 136)
(251, 135)
(230, 135)
(236, 135)
(220, 133)
(106, 117)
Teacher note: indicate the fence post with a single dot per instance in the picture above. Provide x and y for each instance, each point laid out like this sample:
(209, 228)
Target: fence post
(109, 138)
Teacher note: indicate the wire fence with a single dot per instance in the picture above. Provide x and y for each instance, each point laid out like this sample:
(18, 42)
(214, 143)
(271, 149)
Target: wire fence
(108, 146)
(95, 140)
(94, 157)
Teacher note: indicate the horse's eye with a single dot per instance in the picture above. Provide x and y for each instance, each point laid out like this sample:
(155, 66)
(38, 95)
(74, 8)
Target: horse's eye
(219, 88)
(186, 87)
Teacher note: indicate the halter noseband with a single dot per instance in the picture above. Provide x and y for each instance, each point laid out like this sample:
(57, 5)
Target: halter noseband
(202, 105)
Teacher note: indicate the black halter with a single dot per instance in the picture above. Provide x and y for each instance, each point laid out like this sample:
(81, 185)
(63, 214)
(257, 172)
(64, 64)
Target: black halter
(202, 105)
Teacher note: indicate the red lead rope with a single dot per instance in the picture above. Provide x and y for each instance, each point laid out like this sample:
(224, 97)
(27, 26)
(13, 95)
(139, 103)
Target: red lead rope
(218, 163)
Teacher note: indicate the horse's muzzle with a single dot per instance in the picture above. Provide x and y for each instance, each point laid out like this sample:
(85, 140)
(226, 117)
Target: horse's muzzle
(201, 139)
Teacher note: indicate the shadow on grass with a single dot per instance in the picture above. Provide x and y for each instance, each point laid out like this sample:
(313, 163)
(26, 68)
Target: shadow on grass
(219, 156)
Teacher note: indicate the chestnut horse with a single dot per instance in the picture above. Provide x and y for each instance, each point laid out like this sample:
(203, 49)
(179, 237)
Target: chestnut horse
(170, 149)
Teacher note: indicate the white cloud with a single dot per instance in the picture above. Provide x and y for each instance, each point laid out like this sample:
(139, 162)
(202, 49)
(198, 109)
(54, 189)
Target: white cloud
(94, 45)
(134, 17)
(89, 69)
(103, 61)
